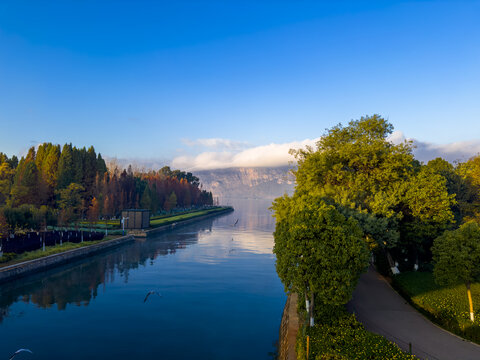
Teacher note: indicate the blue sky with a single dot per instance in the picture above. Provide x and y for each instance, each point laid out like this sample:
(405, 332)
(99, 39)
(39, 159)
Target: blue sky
(148, 79)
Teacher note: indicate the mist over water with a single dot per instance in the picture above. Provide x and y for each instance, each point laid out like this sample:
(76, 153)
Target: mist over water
(221, 297)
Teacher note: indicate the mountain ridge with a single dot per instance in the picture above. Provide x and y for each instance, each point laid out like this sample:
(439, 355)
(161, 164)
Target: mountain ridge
(247, 182)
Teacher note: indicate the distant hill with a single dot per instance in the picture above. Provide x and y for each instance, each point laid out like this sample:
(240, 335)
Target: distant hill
(247, 182)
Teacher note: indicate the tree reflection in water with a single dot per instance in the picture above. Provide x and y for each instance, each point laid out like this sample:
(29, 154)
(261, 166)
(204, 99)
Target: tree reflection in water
(78, 283)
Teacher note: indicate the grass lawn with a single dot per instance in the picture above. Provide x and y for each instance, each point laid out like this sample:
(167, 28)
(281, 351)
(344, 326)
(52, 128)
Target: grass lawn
(49, 250)
(447, 306)
(100, 223)
(155, 222)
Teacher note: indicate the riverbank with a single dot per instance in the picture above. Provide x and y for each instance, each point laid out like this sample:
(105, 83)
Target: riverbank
(179, 220)
(16, 270)
(288, 329)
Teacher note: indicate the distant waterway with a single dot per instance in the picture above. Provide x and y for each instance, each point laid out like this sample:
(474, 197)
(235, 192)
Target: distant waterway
(220, 297)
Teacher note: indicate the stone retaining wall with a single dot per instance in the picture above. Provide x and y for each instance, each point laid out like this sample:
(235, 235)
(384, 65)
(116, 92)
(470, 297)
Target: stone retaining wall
(15, 271)
(288, 330)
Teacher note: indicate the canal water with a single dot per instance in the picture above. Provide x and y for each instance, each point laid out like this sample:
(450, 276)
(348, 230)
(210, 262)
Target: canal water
(220, 297)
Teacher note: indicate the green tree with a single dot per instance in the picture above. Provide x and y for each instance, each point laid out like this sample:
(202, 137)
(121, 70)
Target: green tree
(6, 180)
(357, 167)
(25, 187)
(101, 166)
(65, 170)
(456, 257)
(459, 184)
(78, 158)
(320, 253)
(470, 173)
(71, 203)
(426, 211)
(90, 170)
(50, 165)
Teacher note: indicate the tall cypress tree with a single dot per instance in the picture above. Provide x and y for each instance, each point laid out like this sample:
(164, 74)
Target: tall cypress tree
(101, 166)
(50, 165)
(90, 171)
(65, 171)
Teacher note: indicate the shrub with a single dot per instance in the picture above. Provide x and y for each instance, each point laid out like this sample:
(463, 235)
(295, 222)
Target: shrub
(7, 257)
(343, 337)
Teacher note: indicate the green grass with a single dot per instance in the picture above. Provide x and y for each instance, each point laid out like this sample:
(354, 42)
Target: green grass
(174, 214)
(184, 216)
(343, 337)
(100, 223)
(445, 305)
(49, 250)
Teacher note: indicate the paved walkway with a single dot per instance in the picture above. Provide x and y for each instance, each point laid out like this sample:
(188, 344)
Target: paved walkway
(384, 312)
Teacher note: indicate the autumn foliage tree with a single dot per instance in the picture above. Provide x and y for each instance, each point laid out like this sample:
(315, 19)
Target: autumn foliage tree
(44, 177)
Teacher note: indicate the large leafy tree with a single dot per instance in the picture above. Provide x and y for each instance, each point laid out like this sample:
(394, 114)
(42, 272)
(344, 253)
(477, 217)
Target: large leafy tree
(470, 174)
(457, 258)
(461, 184)
(320, 252)
(357, 167)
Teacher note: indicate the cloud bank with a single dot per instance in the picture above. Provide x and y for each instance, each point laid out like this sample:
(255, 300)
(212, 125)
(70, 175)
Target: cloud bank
(224, 153)
(425, 151)
(274, 155)
(271, 155)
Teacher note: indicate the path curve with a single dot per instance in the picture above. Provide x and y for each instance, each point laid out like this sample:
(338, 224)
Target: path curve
(383, 311)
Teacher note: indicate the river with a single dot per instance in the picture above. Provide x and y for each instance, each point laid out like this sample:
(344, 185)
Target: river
(220, 297)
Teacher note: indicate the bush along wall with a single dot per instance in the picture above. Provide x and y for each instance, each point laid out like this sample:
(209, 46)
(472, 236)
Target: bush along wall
(340, 336)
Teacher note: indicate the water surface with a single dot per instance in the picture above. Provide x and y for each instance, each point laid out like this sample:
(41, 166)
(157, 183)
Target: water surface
(221, 297)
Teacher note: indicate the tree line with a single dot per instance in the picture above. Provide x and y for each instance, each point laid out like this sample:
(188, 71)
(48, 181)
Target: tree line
(356, 194)
(54, 185)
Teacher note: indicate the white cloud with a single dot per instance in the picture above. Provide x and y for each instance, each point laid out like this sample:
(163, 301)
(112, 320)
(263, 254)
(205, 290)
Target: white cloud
(396, 137)
(271, 155)
(215, 143)
(454, 151)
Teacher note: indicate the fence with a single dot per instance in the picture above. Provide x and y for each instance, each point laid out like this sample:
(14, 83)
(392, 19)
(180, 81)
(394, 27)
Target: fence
(30, 241)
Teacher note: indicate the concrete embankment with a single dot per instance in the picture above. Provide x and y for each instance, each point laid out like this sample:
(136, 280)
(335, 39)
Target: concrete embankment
(160, 229)
(16, 271)
(288, 330)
